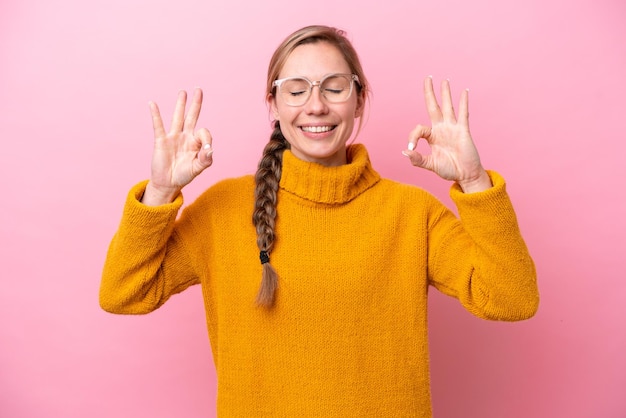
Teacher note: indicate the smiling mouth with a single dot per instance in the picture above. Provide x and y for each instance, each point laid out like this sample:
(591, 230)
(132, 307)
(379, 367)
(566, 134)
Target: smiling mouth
(317, 129)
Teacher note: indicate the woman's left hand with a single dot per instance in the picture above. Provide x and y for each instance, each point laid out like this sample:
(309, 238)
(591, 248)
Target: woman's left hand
(453, 154)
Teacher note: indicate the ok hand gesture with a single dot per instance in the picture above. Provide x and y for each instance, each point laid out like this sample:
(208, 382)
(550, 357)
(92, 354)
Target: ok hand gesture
(180, 154)
(453, 154)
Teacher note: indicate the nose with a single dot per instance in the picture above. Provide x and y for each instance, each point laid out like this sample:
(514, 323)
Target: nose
(316, 105)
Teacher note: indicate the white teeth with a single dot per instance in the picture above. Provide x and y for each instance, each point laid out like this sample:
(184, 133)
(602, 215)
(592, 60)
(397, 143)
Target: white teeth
(316, 129)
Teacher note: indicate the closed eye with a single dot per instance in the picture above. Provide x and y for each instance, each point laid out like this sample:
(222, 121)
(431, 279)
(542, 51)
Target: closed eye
(334, 91)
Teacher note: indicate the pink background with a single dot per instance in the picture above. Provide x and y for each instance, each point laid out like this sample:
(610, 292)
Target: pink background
(547, 111)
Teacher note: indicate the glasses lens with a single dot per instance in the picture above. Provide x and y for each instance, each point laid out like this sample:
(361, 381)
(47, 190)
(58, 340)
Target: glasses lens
(337, 88)
(295, 91)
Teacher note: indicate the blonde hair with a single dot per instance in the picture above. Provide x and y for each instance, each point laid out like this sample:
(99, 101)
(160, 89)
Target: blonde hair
(269, 171)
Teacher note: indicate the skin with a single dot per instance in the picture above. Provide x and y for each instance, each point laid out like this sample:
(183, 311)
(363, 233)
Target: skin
(180, 154)
(453, 153)
(314, 61)
(183, 152)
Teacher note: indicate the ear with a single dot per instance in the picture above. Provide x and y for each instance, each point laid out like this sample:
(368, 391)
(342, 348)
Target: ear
(271, 102)
(360, 104)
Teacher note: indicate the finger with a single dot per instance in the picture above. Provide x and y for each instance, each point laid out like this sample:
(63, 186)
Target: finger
(464, 108)
(205, 140)
(194, 110)
(446, 102)
(179, 112)
(416, 134)
(157, 121)
(431, 101)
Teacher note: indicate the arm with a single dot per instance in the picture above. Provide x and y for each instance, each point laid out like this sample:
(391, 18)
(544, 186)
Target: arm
(482, 259)
(146, 263)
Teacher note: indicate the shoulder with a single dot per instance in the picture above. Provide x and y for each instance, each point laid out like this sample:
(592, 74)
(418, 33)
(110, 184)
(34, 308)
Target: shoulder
(397, 197)
(232, 184)
(404, 191)
(231, 192)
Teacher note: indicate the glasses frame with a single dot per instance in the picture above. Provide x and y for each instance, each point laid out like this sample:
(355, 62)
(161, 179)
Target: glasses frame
(352, 77)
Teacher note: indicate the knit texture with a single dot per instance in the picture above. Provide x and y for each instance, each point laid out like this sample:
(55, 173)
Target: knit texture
(355, 253)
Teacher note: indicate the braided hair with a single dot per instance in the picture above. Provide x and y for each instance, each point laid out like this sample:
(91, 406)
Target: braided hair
(267, 179)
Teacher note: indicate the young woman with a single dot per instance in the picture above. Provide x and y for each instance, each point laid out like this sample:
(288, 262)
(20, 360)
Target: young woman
(315, 272)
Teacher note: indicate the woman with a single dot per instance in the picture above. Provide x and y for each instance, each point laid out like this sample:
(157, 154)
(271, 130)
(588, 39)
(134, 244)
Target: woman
(335, 324)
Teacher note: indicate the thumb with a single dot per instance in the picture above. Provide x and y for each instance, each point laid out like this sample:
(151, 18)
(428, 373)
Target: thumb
(416, 158)
(205, 155)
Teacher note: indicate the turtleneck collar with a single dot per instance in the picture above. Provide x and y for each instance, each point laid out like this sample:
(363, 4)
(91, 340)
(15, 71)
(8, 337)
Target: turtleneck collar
(330, 185)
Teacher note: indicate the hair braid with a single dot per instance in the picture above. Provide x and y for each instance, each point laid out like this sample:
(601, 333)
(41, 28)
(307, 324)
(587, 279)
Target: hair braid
(267, 179)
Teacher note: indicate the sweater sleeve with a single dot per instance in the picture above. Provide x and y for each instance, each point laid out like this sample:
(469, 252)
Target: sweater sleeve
(482, 259)
(146, 262)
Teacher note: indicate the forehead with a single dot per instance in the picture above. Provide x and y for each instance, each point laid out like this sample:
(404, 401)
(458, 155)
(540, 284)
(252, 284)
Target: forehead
(314, 61)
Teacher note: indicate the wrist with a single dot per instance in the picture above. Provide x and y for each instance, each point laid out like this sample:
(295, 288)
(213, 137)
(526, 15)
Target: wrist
(155, 196)
(479, 183)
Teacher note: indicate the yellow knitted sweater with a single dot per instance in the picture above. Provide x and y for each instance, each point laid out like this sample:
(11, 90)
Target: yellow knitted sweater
(355, 254)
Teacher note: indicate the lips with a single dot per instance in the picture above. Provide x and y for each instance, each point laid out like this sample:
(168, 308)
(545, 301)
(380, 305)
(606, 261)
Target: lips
(318, 129)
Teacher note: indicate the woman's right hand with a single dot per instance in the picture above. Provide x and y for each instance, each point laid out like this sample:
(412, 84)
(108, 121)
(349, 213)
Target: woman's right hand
(180, 154)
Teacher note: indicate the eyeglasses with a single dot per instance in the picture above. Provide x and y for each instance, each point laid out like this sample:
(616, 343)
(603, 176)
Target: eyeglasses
(336, 88)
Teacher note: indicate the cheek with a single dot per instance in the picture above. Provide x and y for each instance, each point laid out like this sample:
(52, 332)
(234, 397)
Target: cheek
(350, 114)
(283, 112)
(284, 117)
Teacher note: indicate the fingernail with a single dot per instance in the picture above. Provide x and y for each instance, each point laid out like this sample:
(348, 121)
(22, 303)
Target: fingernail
(207, 146)
(411, 146)
(209, 154)
(405, 154)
